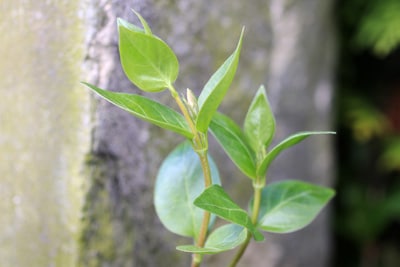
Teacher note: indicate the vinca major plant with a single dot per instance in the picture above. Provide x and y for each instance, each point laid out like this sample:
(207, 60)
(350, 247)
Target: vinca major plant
(188, 194)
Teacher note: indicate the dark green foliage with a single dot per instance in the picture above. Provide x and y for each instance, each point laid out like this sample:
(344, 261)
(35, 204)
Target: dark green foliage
(367, 205)
(375, 24)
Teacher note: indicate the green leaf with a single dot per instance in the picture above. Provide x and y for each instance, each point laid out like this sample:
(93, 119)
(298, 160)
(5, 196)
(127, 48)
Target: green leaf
(291, 205)
(146, 27)
(147, 61)
(147, 110)
(215, 89)
(259, 124)
(215, 200)
(378, 27)
(224, 238)
(179, 181)
(231, 138)
(288, 142)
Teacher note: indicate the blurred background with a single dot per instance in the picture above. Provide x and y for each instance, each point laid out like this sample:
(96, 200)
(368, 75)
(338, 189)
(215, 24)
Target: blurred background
(367, 207)
(77, 175)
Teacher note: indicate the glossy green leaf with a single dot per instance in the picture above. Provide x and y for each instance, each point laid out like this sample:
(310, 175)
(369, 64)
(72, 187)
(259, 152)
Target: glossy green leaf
(231, 138)
(215, 200)
(259, 124)
(179, 181)
(147, 61)
(288, 142)
(291, 205)
(147, 110)
(224, 238)
(216, 88)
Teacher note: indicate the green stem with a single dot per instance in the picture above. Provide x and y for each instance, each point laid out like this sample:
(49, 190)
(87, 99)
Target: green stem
(256, 202)
(200, 145)
(241, 251)
(258, 186)
(196, 260)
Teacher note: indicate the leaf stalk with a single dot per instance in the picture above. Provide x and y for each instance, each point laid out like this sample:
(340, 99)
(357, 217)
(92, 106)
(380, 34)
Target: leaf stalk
(258, 185)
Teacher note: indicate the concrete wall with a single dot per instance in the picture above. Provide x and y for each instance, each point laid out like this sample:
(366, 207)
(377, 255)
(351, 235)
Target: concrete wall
(44, 132)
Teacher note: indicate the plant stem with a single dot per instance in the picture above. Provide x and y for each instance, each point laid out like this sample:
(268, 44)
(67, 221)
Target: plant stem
(241, 251)
(196, 260)
(256, 202)
(258, 186)
(200, 145)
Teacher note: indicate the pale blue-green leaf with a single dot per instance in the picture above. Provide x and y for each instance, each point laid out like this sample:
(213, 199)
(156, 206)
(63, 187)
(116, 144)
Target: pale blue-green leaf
(259, 124)
(147, 109)
(216, 88)
(215, 200)
(146, 27)
(147, 61)
(288, 142)
(224, 238)
(291, 205)
(231, 138)
(179, 181)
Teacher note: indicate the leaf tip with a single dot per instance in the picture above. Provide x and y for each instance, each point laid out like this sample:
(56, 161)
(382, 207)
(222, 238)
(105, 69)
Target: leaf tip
(135, 12)
(88, 85)
(239, 46)
(119, 21)
(145, 25)
(243, 29)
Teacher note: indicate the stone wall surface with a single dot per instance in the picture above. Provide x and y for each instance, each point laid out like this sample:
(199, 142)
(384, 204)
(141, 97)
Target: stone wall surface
(70, 157)
(44, 132)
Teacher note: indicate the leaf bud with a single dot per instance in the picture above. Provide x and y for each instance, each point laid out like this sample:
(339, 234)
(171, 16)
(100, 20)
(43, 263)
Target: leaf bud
(192, 105)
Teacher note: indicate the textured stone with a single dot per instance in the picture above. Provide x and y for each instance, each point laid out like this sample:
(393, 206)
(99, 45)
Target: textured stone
(45, 130)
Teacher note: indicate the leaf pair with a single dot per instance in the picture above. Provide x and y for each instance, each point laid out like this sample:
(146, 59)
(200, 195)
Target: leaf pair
(286, 206)
(180, 200)
(152, 66)
(240, 145)
(215, 200)
(246, 148)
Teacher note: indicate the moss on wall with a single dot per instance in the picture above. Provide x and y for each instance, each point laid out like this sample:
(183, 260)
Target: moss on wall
(44, 132)
(100, 242)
